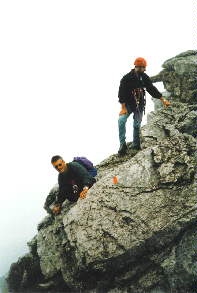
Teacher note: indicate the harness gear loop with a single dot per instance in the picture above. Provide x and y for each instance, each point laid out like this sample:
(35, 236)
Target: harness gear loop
(140, 99)
(144, 106)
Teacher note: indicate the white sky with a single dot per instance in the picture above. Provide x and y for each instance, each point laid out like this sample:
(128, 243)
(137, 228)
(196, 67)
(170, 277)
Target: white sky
(60, 67)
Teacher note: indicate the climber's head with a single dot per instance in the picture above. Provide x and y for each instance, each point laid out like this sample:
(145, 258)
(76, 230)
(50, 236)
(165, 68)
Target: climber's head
(140, 64)
(58, 163)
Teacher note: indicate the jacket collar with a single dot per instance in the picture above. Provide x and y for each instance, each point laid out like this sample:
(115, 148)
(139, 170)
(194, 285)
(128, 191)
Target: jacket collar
(133, 74)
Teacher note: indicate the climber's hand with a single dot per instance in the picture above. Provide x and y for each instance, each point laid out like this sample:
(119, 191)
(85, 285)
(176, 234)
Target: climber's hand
(123, 110)
(56, 209)
(165, 102)
(84, 192)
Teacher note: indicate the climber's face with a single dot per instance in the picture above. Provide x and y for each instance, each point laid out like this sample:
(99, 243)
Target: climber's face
(140, 69)
(59, 165)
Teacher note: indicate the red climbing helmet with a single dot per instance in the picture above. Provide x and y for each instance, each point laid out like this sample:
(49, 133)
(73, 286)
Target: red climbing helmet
(140, 62)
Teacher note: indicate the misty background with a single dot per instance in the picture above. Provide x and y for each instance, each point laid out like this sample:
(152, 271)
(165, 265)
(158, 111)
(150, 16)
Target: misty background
(60, 67)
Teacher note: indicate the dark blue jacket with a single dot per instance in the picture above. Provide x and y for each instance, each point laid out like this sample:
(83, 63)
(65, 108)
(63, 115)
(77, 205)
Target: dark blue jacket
(75, 175)
(131, 81)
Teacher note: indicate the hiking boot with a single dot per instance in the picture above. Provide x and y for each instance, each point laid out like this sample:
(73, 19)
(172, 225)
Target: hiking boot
(123, 149)
(135, 147)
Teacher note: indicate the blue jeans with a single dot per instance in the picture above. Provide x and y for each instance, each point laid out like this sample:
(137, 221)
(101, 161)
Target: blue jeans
(137, 119)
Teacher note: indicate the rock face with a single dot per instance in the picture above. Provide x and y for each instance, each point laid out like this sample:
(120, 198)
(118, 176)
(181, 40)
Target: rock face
(179, 77)
(136, 236)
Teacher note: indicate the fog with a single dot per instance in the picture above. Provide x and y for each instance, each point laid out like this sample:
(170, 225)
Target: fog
(60, 67)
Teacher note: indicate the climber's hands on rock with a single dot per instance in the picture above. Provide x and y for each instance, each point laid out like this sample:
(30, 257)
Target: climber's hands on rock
(165, 102)
(56, 209)
(123, 110)
(84, 192)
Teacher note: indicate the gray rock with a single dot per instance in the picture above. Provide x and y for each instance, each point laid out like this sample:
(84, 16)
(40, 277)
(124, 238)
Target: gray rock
(181, 265)
(24, 274)
(182, 63)
(179, 77)
(48, 220)
(33, 246)
(168, 122)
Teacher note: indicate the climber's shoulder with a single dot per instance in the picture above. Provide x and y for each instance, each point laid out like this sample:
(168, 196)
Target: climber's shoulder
(128, 76)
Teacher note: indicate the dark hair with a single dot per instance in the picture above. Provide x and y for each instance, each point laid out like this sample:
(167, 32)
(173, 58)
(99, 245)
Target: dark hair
(55, 158)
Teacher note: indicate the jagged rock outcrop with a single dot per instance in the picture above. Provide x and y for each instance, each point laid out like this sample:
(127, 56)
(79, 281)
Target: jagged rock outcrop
(24, 274)
(179, 77)
(139, 235)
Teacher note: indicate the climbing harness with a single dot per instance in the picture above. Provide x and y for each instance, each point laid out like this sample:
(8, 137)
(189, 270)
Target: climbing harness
(140, 99)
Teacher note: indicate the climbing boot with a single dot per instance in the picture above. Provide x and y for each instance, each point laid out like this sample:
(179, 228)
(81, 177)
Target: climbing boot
(135, 147)
(123, 149)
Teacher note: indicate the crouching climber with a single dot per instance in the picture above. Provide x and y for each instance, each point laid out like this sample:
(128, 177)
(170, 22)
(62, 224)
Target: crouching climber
(74, 181)
(132, 98)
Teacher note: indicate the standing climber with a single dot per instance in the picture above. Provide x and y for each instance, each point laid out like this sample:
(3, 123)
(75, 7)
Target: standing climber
(74, 181)
(132, 98)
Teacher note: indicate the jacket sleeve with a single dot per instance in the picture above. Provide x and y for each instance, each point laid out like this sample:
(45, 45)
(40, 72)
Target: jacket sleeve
(60, 197)
(62, 194)
(81, 173)
(122, 91)
(151, 89)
